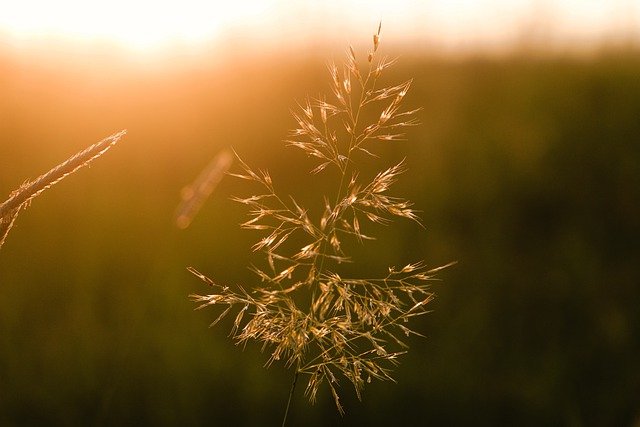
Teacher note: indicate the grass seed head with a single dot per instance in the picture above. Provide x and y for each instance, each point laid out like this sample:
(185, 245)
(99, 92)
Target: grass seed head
(309, 315)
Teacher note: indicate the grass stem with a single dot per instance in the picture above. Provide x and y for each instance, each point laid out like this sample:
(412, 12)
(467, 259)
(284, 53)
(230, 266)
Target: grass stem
(293, 388)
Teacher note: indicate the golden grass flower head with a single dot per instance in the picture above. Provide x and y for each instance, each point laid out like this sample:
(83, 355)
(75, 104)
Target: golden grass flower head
(317, 320)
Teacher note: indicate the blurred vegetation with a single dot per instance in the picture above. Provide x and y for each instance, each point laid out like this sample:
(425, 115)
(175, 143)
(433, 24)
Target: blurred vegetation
(526, 169)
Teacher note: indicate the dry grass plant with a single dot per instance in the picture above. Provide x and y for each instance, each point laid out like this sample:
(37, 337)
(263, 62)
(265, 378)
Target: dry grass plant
(22, 197)
(310, 316)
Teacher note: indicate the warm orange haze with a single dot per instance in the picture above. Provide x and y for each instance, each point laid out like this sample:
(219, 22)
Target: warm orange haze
(524, 169)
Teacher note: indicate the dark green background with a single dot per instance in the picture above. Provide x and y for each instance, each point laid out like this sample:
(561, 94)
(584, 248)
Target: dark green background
(526, 170)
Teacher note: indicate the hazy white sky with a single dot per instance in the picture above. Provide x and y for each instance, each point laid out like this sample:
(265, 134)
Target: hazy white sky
(449, 24)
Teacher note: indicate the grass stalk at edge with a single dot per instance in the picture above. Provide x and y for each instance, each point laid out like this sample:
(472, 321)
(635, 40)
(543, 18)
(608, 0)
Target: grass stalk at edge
(22, 197)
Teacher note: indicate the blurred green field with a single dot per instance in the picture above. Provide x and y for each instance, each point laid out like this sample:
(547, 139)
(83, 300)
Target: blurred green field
(527, 172)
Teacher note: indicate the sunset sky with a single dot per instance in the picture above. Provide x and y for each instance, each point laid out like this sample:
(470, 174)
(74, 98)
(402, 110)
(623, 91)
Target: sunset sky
(444, 24)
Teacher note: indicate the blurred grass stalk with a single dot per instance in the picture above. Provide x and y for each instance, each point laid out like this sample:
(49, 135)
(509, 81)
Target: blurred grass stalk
(194, 196)
(22, 196)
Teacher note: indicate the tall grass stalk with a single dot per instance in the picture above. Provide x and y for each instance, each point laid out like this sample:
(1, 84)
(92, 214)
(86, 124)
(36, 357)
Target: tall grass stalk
(306, 311)
(22, 197)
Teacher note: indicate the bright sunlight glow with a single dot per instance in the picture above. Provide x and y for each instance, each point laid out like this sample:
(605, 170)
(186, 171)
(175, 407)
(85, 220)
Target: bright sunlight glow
(135, 23)
(148, 24)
